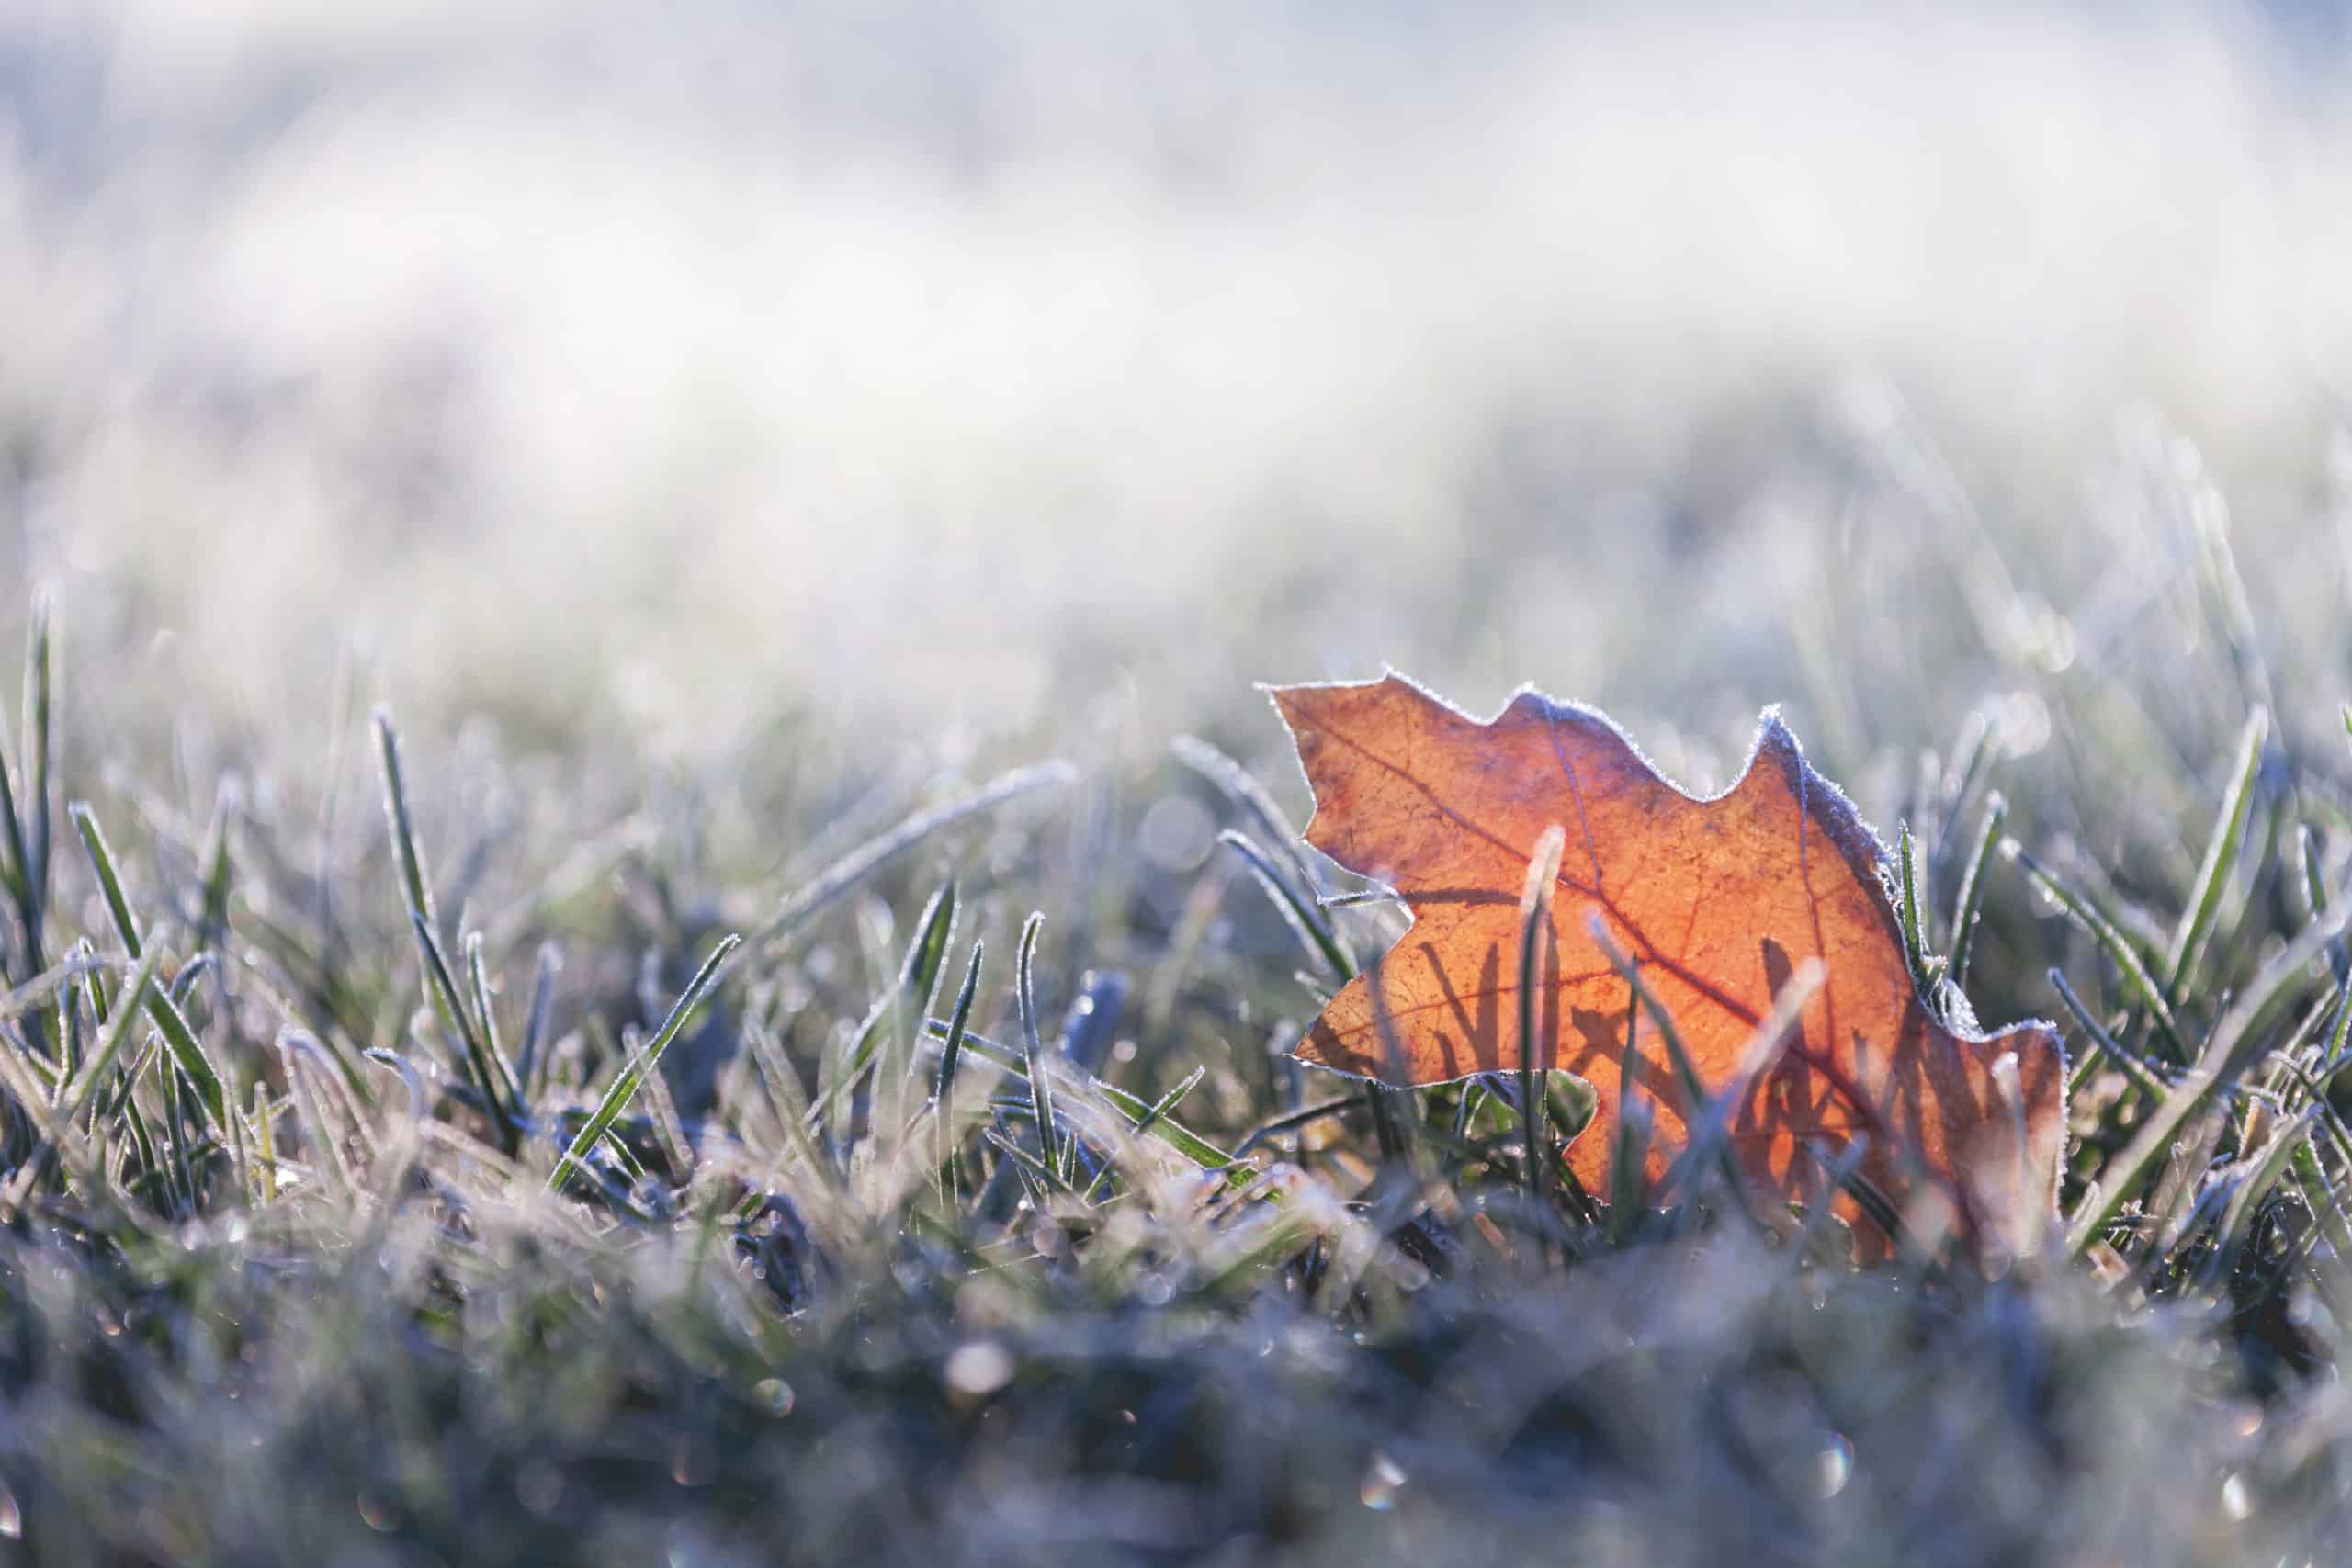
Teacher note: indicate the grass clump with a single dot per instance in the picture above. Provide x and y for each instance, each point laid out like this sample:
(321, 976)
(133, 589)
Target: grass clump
(548, 1175)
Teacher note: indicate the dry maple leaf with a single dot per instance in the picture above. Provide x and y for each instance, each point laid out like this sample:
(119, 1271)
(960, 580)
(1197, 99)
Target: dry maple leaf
(1718, 901)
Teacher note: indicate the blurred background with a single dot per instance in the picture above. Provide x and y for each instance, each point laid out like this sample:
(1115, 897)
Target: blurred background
(937, 374)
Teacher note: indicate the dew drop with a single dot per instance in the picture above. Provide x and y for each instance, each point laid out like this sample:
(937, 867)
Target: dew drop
(539, 1486)
(1382, 1480)
(774, 1395)
(1833, 1466)
(692, 1463)
(12, 1519)
(979, 1369)
(379, 1512)
(2236, 1501)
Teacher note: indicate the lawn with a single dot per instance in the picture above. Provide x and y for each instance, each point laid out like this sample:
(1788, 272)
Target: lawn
(480, 1147)
(652, 902)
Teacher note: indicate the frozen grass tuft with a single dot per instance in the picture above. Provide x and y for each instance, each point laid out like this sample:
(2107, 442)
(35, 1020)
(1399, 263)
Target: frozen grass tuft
(587, 1157)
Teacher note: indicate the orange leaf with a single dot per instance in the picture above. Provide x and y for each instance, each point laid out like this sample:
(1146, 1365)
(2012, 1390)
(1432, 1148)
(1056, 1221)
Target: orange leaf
(1719, 902)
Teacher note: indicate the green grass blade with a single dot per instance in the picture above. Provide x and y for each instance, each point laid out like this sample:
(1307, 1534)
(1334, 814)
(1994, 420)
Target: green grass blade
(918, 980)
(94, 839)
(216, 858)
(40, 699)
(2216, 1068)
(2263, 1170)
(1160, 1108)
(1183, 1140)
(2111, 939)
(1041, 1081)
(1968, 905)
(189, 1053)
(2104, 1046)
(29, 996)
(855, 866)
(950, 1056)
(1535, 1055)
(535, 1023)
(1241, 789)
(452, 1011)
(18, 880)
(1305, 918)
(172, 1024)
(790, 1102)
(627, 1083)
(416, 888)
(486, 1020)
(927, 956)
(2315, 898)
(1291, 1120)
(2221, 851)
(1907, 905)
(1629, 1169)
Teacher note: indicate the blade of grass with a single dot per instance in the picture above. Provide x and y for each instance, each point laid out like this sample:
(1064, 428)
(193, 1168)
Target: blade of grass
(1629, 1170)
(853, 868)
(486, 1018)
(443, 988)
(625, 1086)
(55, 1117)
(950, 1056)
(1710, 1134)
(1305, 919)
(212, 922)
(1189, 1143)
(2308, 858)
(2221, 849)
(1160, 1108)
(440, 983)
(18, 880)
(1629, 1158)
(2263, 1170)
(790, 1102)
(39, 695)
(1041, 1082)
(661, 1108)
(85, 822)
(1966, 907)
(295, 1047)
(535, 1023)
(416, 888)
(918, 980)
(1534, 1055)
(2131, 1170)
(1907, 904)
(29, 996)
(2110, 940)
(185, 1047)
(1291, 1120)
(2104, 1046)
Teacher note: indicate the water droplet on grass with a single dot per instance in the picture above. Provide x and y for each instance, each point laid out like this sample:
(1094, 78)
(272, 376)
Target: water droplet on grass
(378, 1511)
(1832, 1467)
(1382, 1480)
(774, 1395)
(979, 1369)
(2236, 1501)
(693, 1461)
(539, 1486)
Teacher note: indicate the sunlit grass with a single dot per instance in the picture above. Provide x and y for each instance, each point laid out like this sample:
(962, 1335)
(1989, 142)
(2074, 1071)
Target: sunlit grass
(585, 1159)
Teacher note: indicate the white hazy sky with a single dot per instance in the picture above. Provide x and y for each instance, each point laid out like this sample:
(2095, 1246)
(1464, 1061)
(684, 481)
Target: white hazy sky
(927, 354)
